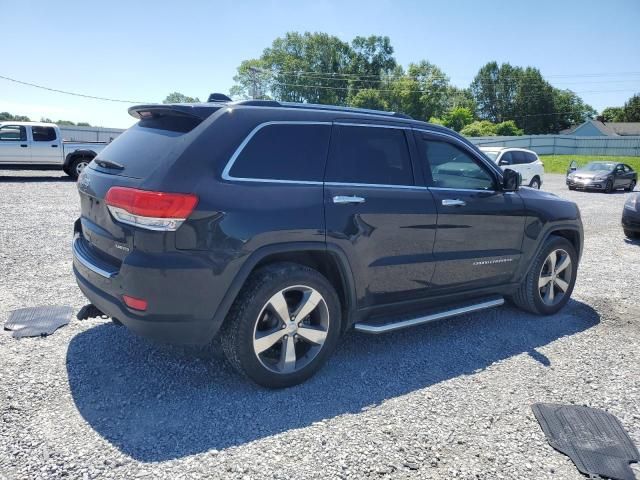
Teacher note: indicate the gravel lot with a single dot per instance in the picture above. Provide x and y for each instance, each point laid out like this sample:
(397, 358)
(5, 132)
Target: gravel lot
(446, 400)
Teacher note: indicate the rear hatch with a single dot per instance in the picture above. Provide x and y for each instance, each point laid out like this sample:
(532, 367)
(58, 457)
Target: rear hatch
(133, 158)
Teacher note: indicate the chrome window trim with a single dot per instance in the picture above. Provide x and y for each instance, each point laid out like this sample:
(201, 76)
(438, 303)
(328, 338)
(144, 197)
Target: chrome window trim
(446, 189)
(375, 185)
(342, 123)
(227, 176)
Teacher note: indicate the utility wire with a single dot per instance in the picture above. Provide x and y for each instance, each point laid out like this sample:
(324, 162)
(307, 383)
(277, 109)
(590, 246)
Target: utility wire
(68, 93)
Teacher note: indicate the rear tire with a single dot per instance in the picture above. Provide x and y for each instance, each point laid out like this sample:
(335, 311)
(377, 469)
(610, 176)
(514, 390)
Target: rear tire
(76, 167)
(631, 234)
(550, 270)
(632, 186)
(296, 348)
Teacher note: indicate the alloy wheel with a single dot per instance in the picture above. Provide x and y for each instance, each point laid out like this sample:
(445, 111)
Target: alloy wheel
(80, 166)
(291, 329)
(555, 277)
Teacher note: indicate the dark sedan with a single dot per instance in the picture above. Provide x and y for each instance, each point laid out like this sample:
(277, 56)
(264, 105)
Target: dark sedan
(605, 176)
(631, 216)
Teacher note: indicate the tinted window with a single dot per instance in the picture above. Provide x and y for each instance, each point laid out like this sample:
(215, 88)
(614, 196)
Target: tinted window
(531, 157)
(284, 152)
(519, 157)
(14, 133)
(506, 159)
(452, 167)
(43, 134)
(370, 155)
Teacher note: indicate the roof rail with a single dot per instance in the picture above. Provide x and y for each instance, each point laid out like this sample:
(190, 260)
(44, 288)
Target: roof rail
(316, 106)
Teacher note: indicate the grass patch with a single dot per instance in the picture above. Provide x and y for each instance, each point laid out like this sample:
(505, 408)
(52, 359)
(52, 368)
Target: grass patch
(560, 163)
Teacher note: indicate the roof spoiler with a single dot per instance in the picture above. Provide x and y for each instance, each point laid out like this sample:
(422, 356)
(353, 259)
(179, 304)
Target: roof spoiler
(199, 111)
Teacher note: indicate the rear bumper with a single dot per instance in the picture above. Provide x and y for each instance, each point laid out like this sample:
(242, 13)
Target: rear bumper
(180, 290)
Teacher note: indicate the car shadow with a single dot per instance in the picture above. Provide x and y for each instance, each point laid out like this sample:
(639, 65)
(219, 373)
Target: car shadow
(34, 179)
(156, 402)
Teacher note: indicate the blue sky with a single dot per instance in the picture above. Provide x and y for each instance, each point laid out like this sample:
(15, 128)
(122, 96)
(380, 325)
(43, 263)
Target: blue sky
(143, 50)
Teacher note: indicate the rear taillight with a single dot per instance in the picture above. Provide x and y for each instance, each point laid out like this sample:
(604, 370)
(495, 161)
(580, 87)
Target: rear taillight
(150, 210)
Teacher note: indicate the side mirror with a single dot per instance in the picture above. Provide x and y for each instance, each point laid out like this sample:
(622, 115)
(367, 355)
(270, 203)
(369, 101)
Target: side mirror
(573, 166)
(504, 162)
(511, 180)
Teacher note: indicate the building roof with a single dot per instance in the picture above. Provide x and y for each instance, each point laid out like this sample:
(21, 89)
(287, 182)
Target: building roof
(611, 129)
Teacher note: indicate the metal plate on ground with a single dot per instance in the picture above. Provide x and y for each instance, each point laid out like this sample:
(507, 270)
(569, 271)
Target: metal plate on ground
(594, 439)
(37, 321)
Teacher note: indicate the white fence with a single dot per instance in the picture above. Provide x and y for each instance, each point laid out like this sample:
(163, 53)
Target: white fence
(89, 134)
(566, 144)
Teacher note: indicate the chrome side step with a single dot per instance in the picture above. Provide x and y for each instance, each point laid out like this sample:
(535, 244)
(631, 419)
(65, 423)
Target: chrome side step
(389, 327)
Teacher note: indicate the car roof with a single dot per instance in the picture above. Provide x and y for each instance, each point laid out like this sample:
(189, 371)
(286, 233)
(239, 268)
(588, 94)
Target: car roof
(504, 149)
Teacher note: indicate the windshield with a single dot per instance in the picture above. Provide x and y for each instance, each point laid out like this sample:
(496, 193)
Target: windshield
(492, 155)
(595, 166)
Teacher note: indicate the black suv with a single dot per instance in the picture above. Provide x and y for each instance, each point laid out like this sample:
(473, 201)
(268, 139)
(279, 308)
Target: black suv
(279, 226)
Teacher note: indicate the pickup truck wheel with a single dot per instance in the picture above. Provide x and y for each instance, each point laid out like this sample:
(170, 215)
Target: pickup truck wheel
(283, 326)
(76, 167)
(550, 281)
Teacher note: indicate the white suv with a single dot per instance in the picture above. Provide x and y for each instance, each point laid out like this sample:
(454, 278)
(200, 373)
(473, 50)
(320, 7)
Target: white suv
(521, 160)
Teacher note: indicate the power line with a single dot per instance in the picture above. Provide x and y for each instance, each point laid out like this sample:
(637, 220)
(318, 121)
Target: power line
(69, 93)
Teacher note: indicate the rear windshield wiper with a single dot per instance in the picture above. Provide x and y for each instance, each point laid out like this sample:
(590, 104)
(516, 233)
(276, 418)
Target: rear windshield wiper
(108, 164)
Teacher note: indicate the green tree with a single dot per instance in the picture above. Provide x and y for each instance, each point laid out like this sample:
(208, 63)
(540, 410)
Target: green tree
(631, 109)
(569, 109)
(83, 124)
(177, 97)
(421, 92)
(494, 89)
(613, 114)
(371, 58)
(6, 116)
(458, 118)
(436, 121)
(65, 123)
(507, 128)
(479, 128)
(369, 98)
(252, 80)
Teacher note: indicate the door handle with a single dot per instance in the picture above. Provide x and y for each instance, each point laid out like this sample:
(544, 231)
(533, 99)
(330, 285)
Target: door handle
(345, 199)
(54, 146)
(453, 203)
(24, 145)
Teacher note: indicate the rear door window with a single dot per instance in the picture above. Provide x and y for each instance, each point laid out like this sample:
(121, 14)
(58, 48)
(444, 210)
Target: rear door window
(519, 158)
(531, 157)
(43, 134)
(369, 155)
(288, 151)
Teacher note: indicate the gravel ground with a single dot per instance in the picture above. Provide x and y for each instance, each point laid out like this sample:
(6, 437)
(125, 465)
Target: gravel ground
(446, 400)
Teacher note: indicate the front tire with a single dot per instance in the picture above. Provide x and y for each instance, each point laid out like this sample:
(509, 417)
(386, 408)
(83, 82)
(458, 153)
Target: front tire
(632, 186)
(609, 187)
(535, 183)
(283, 326)
(551, 278)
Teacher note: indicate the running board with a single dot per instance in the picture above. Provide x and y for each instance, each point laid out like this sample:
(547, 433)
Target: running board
(389, 327)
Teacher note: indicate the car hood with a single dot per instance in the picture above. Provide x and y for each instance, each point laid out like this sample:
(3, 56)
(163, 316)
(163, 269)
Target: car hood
(590, 173)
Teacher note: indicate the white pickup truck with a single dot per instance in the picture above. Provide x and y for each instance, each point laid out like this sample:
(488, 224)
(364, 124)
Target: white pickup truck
(39, 145)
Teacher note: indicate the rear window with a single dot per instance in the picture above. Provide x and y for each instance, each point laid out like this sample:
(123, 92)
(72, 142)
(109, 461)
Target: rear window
(294, 152)
(140, 150)
(43, 134)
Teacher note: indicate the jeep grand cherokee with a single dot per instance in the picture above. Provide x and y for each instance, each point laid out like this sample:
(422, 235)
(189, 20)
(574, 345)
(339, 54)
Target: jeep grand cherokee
(279, 226)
